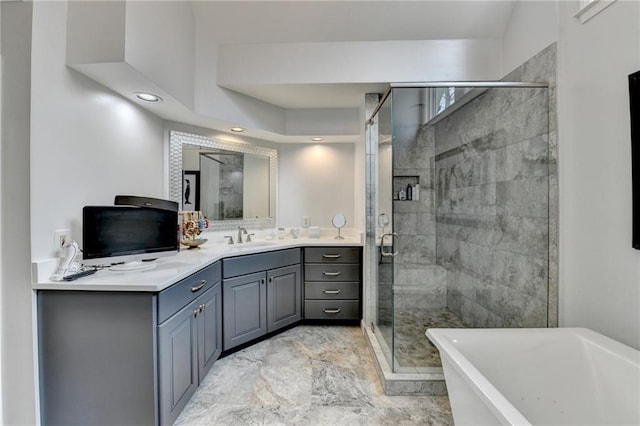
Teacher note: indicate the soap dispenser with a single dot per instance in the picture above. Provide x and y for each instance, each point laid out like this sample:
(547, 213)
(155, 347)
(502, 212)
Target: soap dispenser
(402, 195)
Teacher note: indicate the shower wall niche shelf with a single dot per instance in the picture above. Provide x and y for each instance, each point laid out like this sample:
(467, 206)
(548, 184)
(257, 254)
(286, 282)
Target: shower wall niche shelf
(401, 182)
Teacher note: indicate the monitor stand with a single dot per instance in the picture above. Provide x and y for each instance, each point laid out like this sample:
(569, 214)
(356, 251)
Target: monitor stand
(132, 266)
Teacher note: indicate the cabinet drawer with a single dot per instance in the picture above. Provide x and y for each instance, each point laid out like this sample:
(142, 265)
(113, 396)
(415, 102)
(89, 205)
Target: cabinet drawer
(251, 263)
(331, 309)
(172, 299)
(332, 254)
(328, 290)
(336, 272)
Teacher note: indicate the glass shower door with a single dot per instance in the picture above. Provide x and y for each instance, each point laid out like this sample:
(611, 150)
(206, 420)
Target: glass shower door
(384, 232)
(461, 214)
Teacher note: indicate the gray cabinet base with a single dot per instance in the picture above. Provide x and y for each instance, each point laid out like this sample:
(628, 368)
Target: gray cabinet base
(90, 344)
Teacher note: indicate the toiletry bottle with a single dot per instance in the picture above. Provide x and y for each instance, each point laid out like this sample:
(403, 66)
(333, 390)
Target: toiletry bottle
(281, 233)
(409, 192)
(416, 192)
(402, 195)
(269, 230)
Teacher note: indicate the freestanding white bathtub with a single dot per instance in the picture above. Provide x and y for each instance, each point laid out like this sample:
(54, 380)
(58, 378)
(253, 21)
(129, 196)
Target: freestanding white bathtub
(547, 376)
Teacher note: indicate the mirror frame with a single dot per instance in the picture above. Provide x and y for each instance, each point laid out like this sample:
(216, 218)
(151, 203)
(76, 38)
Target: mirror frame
(178, 139)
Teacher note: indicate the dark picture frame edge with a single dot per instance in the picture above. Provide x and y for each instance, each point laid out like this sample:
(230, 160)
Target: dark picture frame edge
(191, 192)
(634, 107)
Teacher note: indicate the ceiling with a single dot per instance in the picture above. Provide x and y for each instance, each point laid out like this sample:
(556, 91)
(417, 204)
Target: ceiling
(302, 21)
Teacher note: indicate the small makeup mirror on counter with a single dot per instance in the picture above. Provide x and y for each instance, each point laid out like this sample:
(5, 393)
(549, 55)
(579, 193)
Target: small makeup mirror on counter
(339, 221)
(232, 183)
(383, 220)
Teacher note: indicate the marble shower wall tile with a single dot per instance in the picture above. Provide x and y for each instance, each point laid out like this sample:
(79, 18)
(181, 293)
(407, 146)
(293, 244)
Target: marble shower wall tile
(496, 202)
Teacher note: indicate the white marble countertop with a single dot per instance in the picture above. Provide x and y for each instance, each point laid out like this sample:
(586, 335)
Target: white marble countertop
(169, 270)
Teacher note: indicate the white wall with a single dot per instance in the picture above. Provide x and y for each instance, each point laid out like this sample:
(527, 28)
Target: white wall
(532, 27)
(1, 139)
(16, 322)
(87, 144)
(600, 272)
(599, 283)
(160, 43)
(214, 101)
(359, 62)
(315, 180)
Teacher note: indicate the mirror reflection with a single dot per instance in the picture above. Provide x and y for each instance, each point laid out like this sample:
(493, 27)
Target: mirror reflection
(229, 182)
(231, 185)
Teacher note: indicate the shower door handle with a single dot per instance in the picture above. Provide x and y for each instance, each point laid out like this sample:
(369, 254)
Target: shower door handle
(393, 236)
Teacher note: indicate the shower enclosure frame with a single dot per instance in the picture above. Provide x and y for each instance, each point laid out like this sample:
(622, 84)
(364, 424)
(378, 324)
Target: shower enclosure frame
(372, 172)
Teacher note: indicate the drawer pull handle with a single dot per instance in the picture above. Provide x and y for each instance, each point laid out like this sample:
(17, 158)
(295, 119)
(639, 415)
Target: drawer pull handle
(331, 311)
(331, 274)
(331, 256)
(199, 287)
(331, 291)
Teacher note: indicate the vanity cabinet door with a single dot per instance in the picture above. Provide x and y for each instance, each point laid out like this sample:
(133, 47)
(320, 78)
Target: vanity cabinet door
(177, 362)
(188, 344)
(284, 297)
(209, 330)
(245, 308)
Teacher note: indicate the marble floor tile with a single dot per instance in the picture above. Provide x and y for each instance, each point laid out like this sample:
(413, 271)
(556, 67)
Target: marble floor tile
(412, 347)
(308, 375)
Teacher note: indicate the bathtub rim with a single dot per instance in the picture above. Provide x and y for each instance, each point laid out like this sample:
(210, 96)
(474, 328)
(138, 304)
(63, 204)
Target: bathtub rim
(484, 389)
(480, 385)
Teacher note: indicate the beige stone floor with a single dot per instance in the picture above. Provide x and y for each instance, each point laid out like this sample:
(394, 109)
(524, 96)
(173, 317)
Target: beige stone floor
(309, 375)
(412, 347)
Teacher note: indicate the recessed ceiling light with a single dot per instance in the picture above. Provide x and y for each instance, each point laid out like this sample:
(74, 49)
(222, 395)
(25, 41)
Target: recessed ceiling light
(148, 97)
(317, 139)
(237, 129)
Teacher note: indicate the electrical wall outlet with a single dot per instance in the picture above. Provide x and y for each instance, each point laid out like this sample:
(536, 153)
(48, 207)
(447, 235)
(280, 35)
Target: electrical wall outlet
(305, 221)
(61, 237)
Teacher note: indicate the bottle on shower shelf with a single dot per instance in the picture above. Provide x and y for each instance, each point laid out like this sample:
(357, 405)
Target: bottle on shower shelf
(402, 195)
(409, 192)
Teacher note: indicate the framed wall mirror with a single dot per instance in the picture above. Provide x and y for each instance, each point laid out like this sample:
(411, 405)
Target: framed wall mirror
(236, 182)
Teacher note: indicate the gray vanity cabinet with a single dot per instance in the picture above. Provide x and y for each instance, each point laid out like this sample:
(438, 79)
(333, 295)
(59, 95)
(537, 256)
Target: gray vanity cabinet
(332, 283)
(127, 357)
(261, 294)
(188, 345)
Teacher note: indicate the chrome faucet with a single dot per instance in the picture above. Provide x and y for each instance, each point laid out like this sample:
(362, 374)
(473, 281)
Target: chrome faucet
(240, 232)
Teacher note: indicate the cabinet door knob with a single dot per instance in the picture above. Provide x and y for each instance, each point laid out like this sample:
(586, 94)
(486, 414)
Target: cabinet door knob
(331, 311)
(331, 274)
(270, 279)
(331, 291)
(199, 286)
(262, 281)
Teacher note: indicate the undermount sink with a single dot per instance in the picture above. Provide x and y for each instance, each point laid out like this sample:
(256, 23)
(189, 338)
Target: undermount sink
(252, 244)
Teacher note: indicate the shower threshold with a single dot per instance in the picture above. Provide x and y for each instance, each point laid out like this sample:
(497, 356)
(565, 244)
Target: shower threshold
(418, 370)
(429, 381)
